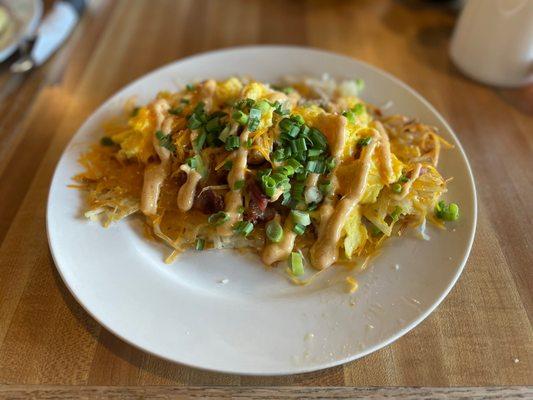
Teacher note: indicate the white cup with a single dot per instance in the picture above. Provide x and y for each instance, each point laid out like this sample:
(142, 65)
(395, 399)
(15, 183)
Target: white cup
(493, 42)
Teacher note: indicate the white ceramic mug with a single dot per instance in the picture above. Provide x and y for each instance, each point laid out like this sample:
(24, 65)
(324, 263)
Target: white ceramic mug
(493, 41)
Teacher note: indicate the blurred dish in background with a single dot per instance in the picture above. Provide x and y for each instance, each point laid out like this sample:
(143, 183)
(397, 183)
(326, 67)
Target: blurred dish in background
(18, 19)
(493, 42)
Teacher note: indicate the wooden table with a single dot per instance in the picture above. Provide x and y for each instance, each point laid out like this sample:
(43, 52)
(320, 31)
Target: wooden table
(480, 336)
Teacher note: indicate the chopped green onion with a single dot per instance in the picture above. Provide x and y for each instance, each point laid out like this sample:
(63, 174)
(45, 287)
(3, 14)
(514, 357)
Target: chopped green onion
(218, 219)
(331, 163)
(286, 170)
(269, 185)
(200, 244)
(297, 264)
(279, 155)
(396, 187)
(287, 90)
(232, 143)
(263, 106)
(107, 141)
(314, 152)
(300, 217)
(240, 209)
(298, 119)
(194, 122)
(249, 142)
(200, 141)
(185, 101)
(326, 187)
(350, 116)
(301, 147)
(213, 125)
(240, 117)
(447, 212)
(274, 231)
(238, 185)
(298, 229)
(304, 131)
(228, 165)
(312, 206)
(285, 124)
(165, 141)
(294, 164)
(224, 134)
(358, 109)
(254, 119)
(403, 179)
(364, 141)
(190, 87)
(243, 228)
(286, 199)
(375, 231)
(176, 111)
(395, 215)
(298, 191)
(315, 166)
(318, 139)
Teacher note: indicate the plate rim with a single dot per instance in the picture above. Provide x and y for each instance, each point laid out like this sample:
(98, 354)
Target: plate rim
(298, 369)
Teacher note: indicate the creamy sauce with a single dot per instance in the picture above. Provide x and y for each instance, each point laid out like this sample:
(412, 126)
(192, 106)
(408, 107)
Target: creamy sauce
(407, 186)
(233, 199)
(155, 174)
(385, 155)
(188, 189)
(324, 251)
(274, 252)
(207, 92)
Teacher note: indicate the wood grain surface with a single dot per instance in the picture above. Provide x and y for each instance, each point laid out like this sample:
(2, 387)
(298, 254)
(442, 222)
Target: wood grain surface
(481, 334)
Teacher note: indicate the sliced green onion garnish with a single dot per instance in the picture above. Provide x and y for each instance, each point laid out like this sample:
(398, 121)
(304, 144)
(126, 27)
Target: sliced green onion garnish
(315, 166)
(263, 106)
(298, 191)
(358, 109)
(286, 170)
(395, 215)
(375, 231)
(243, 228)
(326, 187)
(238, 185)
(318, 139)
(185, 101)
(314, 152)
(240, 117)
(228, 165)
(240, 209)
(176, 111)
(403, 179)
(218, 219)
(396, 187)
(274, 231)
(300, 217)
(350, 116)
(447, 212)
(213, 125)
(293, 131)
(285, 124)
(200, 244)
(286, 199)
(331, 163)
(269, 185)
(232, 143)
(224, 134)
(294, 164)
(107, 141)
(165, 141)
(200, 141)
(298, 229)
(301, 147)
(364, 141)
(298, 119)
(296, 262)
(190, 86)
(194, 122)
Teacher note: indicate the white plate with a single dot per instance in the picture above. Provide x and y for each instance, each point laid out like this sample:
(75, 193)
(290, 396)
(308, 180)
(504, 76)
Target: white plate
(255, 323)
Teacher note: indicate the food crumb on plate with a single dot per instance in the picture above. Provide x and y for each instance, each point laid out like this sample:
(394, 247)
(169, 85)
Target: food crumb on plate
(223, 281)
(397, 267)
(516, 360)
